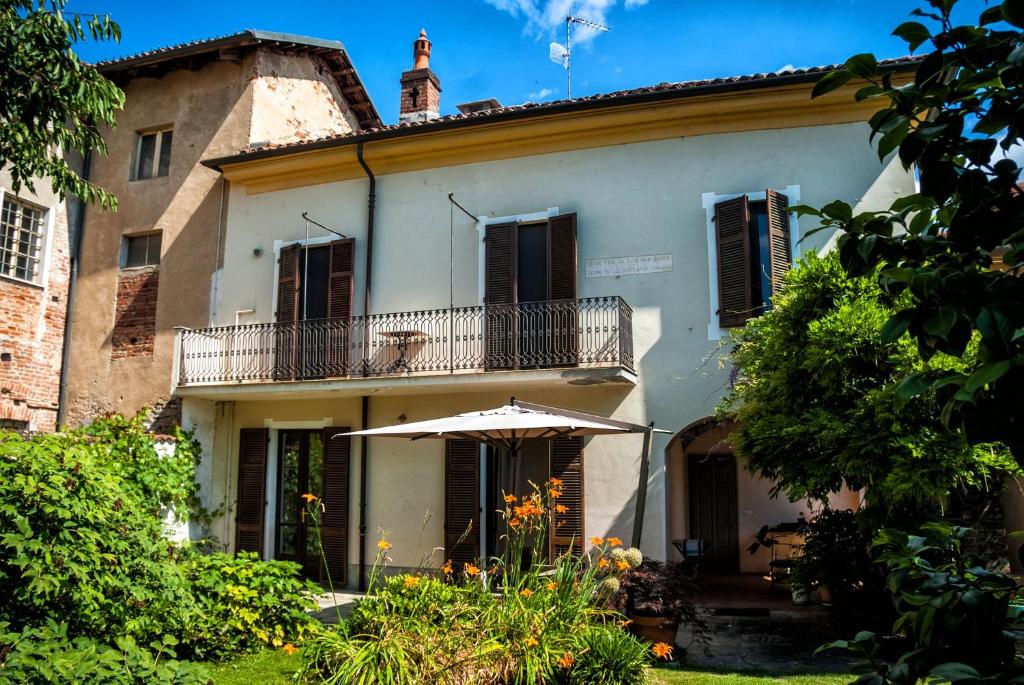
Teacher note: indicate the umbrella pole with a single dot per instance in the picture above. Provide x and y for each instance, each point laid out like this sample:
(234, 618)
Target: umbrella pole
(641, 488)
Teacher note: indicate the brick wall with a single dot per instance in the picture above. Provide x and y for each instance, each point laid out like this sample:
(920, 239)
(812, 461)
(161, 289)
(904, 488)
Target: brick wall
(135, 314)
(428, 95)
(31, 342)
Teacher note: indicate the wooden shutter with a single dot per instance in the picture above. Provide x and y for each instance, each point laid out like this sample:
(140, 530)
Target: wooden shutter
(339, 306)
(735, 298)
(252, 480)
(500, 296)
(335, 497)
(462, 501)
(287, 315)
(567, 466)
(563, 310)
(779, 254)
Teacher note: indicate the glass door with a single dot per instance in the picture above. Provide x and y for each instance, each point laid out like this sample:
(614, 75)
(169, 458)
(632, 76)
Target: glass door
(300, 470)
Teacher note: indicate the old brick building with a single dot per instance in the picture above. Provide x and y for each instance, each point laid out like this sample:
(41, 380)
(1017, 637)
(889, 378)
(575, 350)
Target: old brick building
(34, 266)
(152, 266)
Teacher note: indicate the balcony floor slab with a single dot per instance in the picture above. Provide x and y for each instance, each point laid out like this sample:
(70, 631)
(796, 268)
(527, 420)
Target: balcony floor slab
(420, 384)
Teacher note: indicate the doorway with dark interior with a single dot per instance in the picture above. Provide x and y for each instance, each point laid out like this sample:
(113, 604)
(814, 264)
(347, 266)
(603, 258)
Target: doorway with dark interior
(713, 515)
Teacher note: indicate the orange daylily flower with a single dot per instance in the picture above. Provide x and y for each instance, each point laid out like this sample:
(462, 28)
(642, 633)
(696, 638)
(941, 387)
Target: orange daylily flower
(447, 568)
(289, 648)
(552, 586)
(622, 565)
(561, 509)
(310, 497)
(510, 498)
(566, 661)
(556, 482)
(531, 641)
(526, 592)
(555, 494)
(614, 542)
(384, 545)
(471, 570)
(602, 563)
(411, 582)
(625, 623)
(595, 541)
(514, 523)
(661, 650)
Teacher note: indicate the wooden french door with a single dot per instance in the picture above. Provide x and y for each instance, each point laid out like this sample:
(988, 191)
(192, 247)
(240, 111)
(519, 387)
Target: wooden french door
(314, 462)
(713, 515)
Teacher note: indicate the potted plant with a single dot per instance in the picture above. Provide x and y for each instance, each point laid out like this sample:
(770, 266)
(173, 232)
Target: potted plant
(834, 558)
(658, 597)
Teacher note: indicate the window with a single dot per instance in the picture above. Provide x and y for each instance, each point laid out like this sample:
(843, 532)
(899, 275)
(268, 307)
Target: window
(141, 250)
(754, 254)
(21, 239)
(152, 154)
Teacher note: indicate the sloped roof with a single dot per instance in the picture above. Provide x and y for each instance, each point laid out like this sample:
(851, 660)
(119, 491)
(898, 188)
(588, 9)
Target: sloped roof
(661, 91)
(191, 55)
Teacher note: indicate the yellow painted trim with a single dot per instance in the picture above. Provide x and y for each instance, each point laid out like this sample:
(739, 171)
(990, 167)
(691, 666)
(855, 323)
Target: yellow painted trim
(781, 107)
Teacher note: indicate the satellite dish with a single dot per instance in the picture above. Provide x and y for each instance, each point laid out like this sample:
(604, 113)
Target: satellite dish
(559, 54)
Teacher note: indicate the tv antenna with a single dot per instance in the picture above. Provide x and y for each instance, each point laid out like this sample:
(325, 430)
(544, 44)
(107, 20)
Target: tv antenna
(563, 54)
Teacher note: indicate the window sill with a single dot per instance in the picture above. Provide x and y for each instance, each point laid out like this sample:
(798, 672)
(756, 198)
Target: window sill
(21, 281)
(134, 270)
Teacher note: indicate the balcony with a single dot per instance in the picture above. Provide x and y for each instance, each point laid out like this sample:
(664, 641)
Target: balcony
(540, 339)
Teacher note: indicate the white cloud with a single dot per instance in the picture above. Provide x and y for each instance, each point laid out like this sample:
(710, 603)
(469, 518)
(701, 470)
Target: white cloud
(540, 94)
(546, 18)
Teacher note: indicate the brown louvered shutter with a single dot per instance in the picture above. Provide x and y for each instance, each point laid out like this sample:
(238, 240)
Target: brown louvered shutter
(500, 296)
(735, 299)
(462, 501)
(339, 306)
(563, 312)
(335, 496)
(567, 466)
(252, 479)
(779, 254)
(287, 315)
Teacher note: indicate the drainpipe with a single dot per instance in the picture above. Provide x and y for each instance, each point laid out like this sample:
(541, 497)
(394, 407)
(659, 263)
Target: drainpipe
(76, 254)
(371, 204)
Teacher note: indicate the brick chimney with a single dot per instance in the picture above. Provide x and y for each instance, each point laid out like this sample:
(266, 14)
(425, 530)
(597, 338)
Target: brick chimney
(421, 89)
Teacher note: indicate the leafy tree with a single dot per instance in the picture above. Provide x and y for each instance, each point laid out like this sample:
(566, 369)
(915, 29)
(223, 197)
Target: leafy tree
(52, 103)
(817, 408)
(954, 122)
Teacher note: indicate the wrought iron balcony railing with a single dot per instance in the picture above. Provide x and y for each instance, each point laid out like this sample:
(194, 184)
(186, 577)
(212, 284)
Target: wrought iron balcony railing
(590, 332)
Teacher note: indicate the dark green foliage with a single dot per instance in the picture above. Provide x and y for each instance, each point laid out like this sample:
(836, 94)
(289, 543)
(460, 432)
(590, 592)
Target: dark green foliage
(46, 655)
(963, 109)
(87, 574)
(53, 103)
(817, 404)
(960, 621)
(607, 655)
(835, 554)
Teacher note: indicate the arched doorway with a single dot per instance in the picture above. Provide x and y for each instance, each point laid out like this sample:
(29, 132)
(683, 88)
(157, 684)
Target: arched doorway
(703, 493)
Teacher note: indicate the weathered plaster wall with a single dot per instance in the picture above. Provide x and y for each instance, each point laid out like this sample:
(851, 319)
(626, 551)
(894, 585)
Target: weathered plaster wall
(635, 199)
(32, 321)
(295, 98)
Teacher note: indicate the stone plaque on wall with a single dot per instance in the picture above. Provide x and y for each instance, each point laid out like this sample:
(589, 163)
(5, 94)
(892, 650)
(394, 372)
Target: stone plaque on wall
(628, 266)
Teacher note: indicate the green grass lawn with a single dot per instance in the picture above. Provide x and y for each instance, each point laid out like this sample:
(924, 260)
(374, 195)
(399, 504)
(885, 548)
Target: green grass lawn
(666, 676)
(269, 667)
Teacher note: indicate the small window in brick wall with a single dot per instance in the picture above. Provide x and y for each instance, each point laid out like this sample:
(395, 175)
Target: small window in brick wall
(140, 250)
(152, 154)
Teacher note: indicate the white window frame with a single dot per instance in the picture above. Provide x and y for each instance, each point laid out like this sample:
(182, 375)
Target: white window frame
(46, 240)
(157, 152)
(708, 202)
(482, 222)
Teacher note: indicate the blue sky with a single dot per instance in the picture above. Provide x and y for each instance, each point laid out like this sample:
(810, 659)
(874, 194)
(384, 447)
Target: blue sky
(499, 48)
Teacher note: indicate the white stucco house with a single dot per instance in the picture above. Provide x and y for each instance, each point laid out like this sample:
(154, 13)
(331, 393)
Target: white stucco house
(589, 254)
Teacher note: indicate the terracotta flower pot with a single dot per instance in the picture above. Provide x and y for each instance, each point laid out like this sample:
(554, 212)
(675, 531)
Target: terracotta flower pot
(655, 629)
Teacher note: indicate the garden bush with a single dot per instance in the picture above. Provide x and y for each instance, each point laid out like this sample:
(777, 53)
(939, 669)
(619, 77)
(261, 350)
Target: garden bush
(88, 576)
(499, 622)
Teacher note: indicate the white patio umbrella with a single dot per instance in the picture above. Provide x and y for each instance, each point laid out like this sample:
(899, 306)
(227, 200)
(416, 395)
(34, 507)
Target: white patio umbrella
(520, 423)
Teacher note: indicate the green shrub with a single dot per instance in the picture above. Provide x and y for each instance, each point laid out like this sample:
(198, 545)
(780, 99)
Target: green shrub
(46, 655)
(242, 603)
(606, 655)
